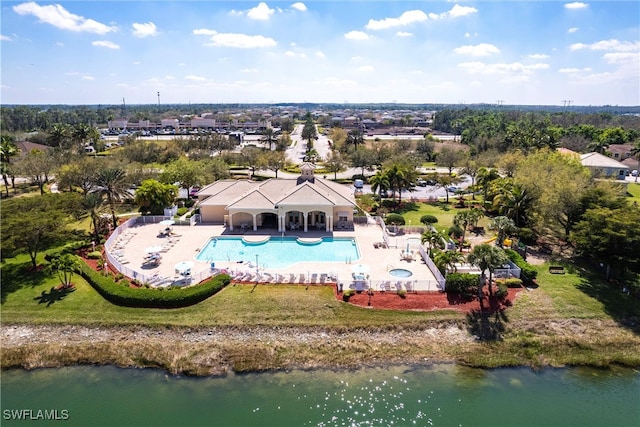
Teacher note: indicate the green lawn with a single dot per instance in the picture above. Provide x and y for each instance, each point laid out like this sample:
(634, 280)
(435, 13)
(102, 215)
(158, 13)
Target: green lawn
(30, 297)
(634, 190)
(412, 212)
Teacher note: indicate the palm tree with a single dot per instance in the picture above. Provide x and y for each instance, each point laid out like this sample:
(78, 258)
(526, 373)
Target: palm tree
(355, 138)
(268, 137)
(463, 219)
(379, 182)
(8, 149)
(487, 257)
(65, 265)
(514, 202)
(58, 135)
(93, 205)
(503, 226)
(112, 183)
(433, 239)
(635, 151)
(446, 260)
(484, 179)
(598, 145)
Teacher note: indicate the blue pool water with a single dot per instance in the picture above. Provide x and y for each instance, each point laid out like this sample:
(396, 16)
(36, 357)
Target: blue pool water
(400, 272)
(278, 252)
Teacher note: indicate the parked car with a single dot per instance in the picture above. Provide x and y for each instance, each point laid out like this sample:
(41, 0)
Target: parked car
(421, 182)
(453, 189)
(634, 172)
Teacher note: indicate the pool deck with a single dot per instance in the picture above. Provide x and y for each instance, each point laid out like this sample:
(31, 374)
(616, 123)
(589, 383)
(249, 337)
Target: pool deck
(186, 242)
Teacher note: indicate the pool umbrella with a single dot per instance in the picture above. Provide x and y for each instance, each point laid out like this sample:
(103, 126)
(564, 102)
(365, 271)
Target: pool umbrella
(183, 266)
(167, 222)
(153, 249)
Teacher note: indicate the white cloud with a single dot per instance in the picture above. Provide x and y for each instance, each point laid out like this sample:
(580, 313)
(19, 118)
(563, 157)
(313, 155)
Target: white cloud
(356, 35)
(572, 30)
(574, 70)
(195, 78)
(404, 34)
(59, 17)
(242, 41)
(293, 54)
(455, 12)
(576, 5)
(537, 56)
(136, 62)
(261, 12)
(204, 32)
(321, 55)
(5, 38)
(621, 57)
(87, 78)
(611, 45)
(299, 6)
(105, 43)
(169, 78)
(513, 68)
(482, 49)
(408, 17)
(366, 68)
(144, 30)
(249, 70)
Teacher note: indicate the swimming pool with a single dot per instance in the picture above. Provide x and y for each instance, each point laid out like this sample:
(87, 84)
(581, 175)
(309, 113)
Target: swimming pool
(279, 252)
(400, 272)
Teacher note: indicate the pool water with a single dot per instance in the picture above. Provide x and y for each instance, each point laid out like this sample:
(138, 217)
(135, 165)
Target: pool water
(279, 252)
(400, 272)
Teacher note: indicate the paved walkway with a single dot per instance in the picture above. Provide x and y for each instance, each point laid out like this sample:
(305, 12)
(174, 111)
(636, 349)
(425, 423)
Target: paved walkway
(187, 241)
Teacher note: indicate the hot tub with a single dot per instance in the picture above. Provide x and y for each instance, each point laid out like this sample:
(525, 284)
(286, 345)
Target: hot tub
(400, 272)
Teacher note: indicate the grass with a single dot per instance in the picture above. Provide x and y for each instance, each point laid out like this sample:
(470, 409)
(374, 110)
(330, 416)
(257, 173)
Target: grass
(412, 212)
(633, 189)
(574, 318)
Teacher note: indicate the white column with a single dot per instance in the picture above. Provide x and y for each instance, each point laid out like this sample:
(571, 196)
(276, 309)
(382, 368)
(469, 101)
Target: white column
(255, 226)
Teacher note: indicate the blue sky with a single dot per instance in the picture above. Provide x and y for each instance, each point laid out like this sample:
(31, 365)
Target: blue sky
(516, 52)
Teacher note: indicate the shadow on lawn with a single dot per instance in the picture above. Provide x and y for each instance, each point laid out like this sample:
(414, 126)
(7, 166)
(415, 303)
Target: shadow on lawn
(623, 307)
(54, 295)
(18, 276)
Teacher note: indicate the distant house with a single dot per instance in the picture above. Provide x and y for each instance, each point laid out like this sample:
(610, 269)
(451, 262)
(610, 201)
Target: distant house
(620, 151)
(26, 146)
(302, 204)
(604, 166)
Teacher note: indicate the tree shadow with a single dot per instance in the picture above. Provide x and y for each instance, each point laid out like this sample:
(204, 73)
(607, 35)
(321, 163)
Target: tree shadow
(18, 276)
(486, 325)
(618, 302)
(54, 295)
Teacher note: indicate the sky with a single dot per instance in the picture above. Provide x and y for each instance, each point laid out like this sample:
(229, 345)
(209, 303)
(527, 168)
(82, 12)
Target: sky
(498, 52)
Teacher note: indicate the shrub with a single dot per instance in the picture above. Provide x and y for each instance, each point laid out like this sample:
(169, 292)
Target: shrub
(94, 255)
(181, 211)
(394, 218)
(502, 291)
(528, 273)
(510, 283)
(402, 293)
(455, 231)
(152, 298)
(428, 219)
(464, 284)
(347, 294)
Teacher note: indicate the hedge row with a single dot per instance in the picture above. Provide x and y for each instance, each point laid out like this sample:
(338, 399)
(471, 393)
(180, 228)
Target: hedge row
(464, 284)
(528, 273)
(152, 298)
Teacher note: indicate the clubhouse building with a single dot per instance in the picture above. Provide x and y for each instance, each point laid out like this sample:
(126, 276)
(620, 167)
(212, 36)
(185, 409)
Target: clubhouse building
(306, 203)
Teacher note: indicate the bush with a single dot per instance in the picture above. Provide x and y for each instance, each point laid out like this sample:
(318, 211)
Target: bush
(510, 283)
(152, 298)
(528, 273)
(347, 294)
(428, 219)
(463, 284)
(394, 218)
(94, 255)
(455, 231)
(502, 291)
(402, 293)
(181, 211)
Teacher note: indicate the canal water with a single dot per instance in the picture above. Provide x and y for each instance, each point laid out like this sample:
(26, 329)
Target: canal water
(438, 395)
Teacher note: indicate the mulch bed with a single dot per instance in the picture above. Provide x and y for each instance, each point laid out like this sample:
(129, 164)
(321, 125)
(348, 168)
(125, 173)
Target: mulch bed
(429, 301)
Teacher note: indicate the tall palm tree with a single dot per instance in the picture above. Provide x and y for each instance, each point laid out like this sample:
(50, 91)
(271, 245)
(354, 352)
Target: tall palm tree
(598, 145)
(65, 265)
(503, 226)
(379, 182)
(463, 219)
(8, 149)
(93, 205)
(487, 258)
(58, 135)
(484, 179)
(513, 202)
(355, 138)
(433, 239)
(112, 182)
(268, 137)
(446, 260)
